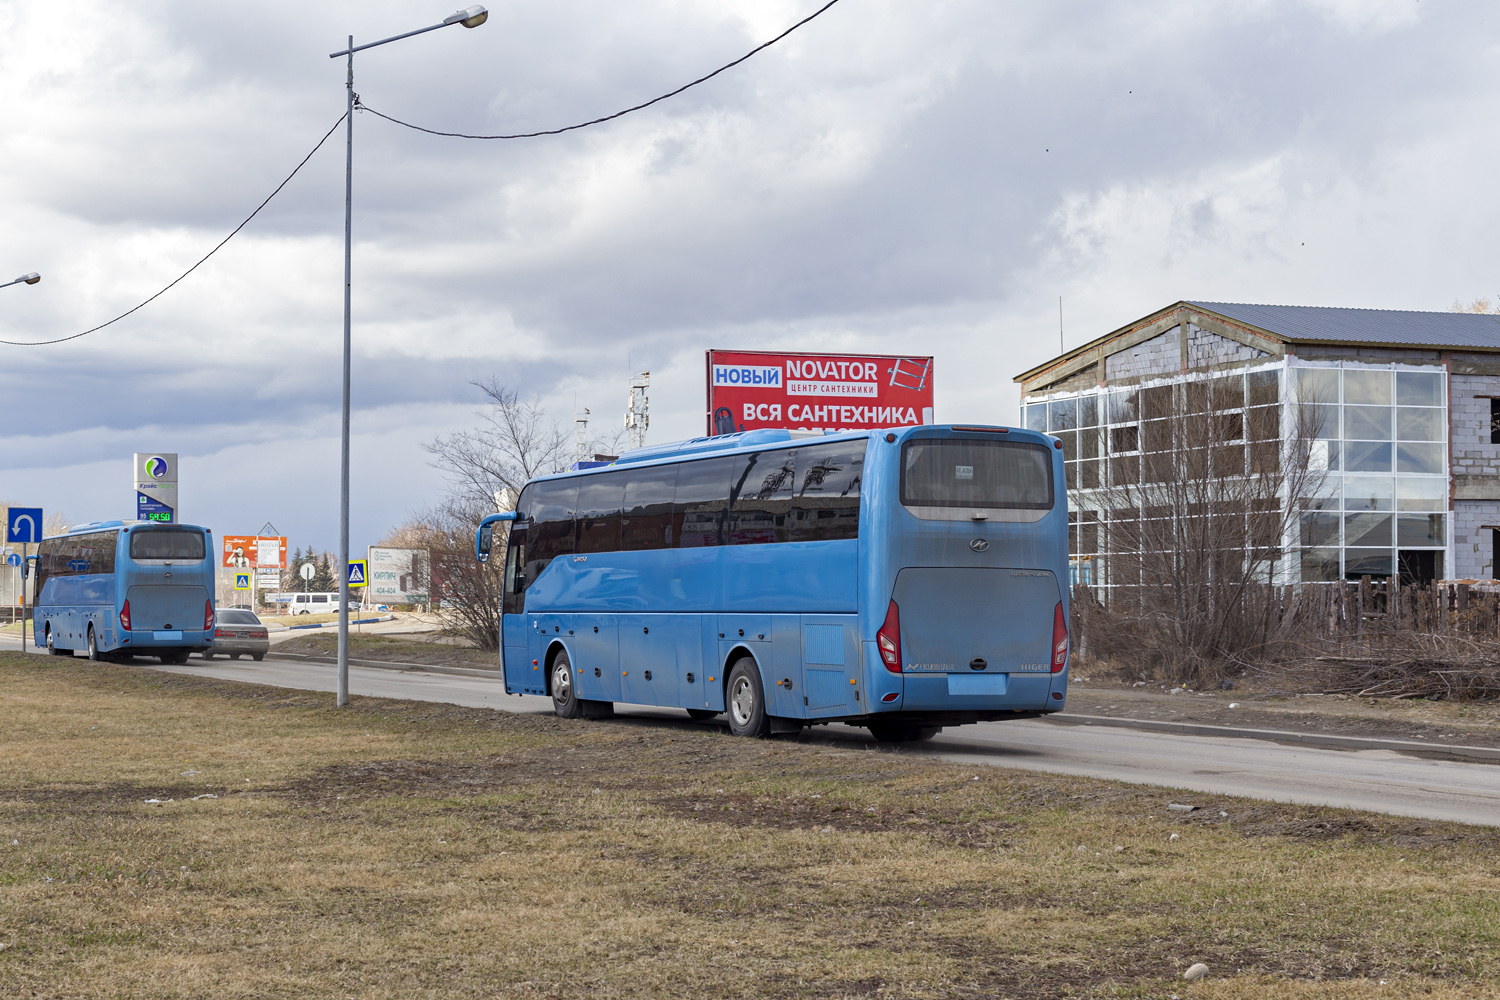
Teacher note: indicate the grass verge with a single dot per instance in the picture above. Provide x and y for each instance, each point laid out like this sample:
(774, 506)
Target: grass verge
(394, 648)
(165, 836)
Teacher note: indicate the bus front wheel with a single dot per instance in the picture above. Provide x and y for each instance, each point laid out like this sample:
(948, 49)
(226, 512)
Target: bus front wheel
(564, 696)
(746, 700)
(52, 647)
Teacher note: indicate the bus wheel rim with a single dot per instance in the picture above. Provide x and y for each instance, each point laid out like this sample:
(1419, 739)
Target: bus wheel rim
(562, 683)
(743, 700)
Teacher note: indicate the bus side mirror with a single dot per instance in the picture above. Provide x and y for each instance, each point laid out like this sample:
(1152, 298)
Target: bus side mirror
(484, 538)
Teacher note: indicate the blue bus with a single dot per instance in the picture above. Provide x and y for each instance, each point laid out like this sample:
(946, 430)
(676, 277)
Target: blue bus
(116, 589)
(899, 580)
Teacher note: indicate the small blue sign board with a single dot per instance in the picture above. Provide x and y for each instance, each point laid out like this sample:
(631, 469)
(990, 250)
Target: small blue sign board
(357, 572)
(23, 524)
(14, 559)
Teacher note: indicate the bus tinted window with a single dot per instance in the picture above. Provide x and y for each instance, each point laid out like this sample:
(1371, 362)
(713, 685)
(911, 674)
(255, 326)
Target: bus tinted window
(764, 497)
(826, 504)
(702, 501)
(176, 544)
(647, 519)
(598, 512)
(549, 508)
(76, 555)
(968, 473)
(513, 599)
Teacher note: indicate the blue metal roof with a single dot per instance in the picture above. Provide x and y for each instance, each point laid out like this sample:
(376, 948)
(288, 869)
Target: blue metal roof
(1325, 324)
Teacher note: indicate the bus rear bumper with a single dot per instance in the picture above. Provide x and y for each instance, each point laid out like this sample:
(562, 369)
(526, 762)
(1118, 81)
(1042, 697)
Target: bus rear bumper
(962, 692)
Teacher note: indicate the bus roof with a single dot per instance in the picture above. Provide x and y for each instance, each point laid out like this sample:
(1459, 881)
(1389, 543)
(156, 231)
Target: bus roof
(79, 529)
(722, 444)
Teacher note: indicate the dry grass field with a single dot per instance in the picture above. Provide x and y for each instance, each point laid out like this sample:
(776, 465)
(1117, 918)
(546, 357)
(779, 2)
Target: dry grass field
(167, 836)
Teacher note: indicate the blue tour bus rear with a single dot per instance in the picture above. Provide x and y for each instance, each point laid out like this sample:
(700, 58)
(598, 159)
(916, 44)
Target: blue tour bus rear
(964, 605)
(123, 588)
(947, 605)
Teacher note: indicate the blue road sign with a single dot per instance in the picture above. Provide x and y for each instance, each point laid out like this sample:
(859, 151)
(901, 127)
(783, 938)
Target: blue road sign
(23, 524)
(14, 559)
(357, 572)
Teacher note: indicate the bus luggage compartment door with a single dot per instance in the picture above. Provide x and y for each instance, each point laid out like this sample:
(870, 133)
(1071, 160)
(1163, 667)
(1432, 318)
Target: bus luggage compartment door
(648, 659)
(829, 646)
(952, 618)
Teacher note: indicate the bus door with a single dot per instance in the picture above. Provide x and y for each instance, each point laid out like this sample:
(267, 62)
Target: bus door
(513, 629)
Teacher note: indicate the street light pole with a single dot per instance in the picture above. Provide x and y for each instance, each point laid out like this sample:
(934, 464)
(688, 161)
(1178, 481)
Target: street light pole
(469, 17)
(30, 279)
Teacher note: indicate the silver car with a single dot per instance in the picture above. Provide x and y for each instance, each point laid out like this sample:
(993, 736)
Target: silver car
(237, 633)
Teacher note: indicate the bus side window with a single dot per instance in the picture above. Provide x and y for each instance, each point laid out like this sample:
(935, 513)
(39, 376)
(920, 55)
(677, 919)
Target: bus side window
(647, 516)
(701, 503)
(764, 498)
(513, 595)
(598, 516)
(826, 506)
(549, 508)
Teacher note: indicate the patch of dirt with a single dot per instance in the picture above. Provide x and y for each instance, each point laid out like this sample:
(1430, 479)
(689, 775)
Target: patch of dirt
(325, 642)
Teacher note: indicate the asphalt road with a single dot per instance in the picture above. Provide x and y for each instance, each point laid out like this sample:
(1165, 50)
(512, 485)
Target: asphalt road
(1375, 780)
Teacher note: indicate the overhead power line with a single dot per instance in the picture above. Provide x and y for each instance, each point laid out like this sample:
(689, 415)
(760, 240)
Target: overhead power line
(607, 118)
(184, 274)
(459, 135)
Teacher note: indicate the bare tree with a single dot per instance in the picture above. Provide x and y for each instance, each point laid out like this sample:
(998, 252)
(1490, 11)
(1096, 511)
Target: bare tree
(514, 442)
(1202, 503)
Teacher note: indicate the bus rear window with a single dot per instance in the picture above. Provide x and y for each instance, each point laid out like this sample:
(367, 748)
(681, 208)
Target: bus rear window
(964, 473)
(176, 544)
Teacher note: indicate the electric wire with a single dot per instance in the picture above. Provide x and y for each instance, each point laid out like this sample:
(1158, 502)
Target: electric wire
(359, 105)
(618, 114)
(184, 274)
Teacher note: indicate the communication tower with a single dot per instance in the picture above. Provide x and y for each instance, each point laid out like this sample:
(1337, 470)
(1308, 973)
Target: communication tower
(581, 436)
(637, 409)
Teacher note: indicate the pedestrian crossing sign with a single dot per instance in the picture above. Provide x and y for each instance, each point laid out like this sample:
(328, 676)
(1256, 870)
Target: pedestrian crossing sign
(242, 581)
(357, 572)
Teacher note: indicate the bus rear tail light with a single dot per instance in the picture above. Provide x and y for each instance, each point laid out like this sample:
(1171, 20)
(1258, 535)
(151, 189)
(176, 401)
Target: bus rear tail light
(208, 615)
(125, 617)
(889, 639)
(1059, 639)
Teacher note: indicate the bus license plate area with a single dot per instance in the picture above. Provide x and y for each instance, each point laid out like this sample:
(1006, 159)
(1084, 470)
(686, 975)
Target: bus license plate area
(969, 685)
(172, 636)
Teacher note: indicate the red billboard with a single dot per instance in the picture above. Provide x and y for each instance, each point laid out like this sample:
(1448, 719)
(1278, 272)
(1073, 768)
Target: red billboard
(748, 390)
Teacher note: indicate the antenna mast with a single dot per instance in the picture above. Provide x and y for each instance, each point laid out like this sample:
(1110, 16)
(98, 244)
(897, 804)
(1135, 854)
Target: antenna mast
(637, 409)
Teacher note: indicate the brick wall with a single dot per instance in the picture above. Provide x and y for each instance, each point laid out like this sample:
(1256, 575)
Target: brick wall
(1469, 412)
(1161, 355)
(1372, 355)
(1473, 544)
(1209, 350)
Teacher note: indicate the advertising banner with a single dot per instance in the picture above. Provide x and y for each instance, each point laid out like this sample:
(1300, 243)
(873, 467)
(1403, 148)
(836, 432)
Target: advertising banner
(253, 552)
(748, 390)
(399, 576)
(156, 487)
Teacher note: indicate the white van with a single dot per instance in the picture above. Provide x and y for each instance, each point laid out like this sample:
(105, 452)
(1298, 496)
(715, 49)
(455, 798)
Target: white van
(316, 604)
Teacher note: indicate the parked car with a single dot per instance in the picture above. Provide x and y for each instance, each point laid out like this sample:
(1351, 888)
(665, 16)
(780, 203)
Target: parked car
(237, 633)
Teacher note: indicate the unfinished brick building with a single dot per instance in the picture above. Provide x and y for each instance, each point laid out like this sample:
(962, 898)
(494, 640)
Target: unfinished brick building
(1408, 431)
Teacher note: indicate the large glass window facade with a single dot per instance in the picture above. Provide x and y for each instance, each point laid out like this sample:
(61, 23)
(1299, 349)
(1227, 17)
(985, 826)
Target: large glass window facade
(1377, 435)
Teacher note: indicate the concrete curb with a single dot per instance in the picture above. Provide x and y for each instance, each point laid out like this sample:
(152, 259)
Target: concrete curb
(430, 668)
(360, 621)
(1490, 754)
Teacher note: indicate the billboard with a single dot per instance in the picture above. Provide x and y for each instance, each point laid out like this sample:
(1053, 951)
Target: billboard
(748, 390)
(156, 487)
(253, 552)
(398, 576)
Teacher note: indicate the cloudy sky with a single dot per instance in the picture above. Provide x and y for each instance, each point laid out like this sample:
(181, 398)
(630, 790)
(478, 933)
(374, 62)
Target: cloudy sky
(895, 177)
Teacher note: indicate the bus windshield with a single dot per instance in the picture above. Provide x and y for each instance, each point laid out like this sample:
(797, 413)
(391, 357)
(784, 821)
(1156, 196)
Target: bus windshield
(176, 544)
(969, 473)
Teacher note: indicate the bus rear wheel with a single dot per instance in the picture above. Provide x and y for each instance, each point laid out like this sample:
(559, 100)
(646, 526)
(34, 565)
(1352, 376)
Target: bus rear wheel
(903, 734)
(746, 700)
(564, 696)
(93, 645)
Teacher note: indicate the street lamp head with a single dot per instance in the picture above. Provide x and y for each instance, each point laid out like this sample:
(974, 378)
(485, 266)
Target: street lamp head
(31, 278)
(469, 17)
